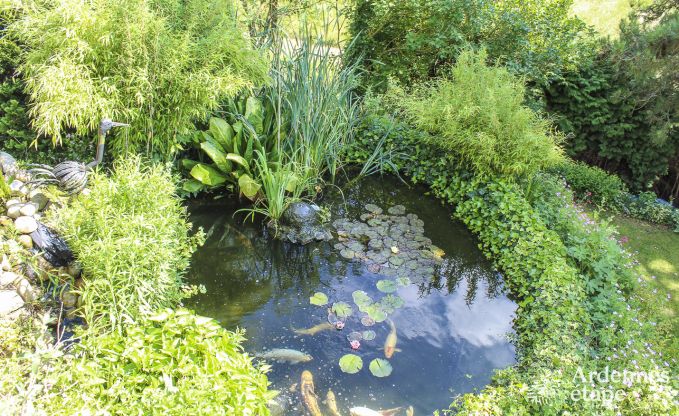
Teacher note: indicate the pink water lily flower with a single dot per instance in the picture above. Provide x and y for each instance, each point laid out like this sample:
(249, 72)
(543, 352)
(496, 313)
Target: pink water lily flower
(339, 324)
(355, 344)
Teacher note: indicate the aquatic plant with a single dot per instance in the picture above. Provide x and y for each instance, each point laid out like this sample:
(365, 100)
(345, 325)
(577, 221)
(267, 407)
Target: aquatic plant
(379, 367)
(351, 363)
(131, 236)
(319, 299)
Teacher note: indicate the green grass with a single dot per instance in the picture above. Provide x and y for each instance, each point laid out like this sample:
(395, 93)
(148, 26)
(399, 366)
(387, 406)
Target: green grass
(657, 250)
(604, 15)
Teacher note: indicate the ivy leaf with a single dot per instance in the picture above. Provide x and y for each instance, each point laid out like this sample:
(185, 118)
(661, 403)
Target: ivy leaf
(380, 367)
(319, 299)
(351, 363)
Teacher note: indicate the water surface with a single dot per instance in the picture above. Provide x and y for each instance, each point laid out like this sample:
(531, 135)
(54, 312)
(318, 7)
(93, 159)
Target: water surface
(452, 329)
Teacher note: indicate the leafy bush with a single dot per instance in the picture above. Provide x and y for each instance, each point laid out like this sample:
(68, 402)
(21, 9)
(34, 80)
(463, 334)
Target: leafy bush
(619, 108)
(130, 235)
(158, 65)
(646, 206)
(173, 363)
(478, 114)
(414, 40)
(592, 184)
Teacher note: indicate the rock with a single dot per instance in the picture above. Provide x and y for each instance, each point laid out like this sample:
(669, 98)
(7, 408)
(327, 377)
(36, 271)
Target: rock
(25, 225)
(10, 302)
(74, 269)
(14, 211)
(69, 299)
(16, 187)
(5, 264)
(38, 198)
(27, 292)
(8, 279)
(28, 210)
(12, 201)
(54, 248)
(22, 175)
(301, 223)
(25, 240)
(8, 164)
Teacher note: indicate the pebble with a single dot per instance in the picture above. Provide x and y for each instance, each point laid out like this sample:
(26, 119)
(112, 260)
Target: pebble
(69, 299)
(25, 240)
(26, 290)
(38, 198)
(8, 278)
(11, 202)
(28, 210)
(16, 186)
(14, 211)
(25, 225)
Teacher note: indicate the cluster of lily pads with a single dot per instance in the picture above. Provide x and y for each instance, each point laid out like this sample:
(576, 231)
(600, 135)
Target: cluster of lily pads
(393, 245)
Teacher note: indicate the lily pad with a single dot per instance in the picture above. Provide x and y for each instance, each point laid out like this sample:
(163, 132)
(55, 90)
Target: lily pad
(319, 299)
(369, 335)
(361, 298)
(367, 321)
(387, 286)
(380, 367)
(390, 303)
(351, 363)
(342, 309)
(403, 281)
(355, 336)
(376, 313)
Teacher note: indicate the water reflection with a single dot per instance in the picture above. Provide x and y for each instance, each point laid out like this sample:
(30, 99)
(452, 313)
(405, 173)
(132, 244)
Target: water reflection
(452, 329)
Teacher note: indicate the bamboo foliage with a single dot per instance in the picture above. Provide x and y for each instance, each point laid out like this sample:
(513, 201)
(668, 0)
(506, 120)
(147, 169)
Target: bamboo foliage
(156, 64)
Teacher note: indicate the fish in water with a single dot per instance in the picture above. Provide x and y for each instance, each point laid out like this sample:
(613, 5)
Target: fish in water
(410, 411)
(315, 329)
(390, 342)
(331, 401)
(283, 355)
(364, 411)
(309, 397)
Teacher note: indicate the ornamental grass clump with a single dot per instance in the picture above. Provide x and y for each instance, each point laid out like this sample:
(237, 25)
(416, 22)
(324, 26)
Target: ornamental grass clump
(130, 235)
(478, 114)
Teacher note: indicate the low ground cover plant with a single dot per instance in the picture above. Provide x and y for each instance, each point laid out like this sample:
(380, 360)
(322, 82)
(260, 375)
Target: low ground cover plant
(130, 234)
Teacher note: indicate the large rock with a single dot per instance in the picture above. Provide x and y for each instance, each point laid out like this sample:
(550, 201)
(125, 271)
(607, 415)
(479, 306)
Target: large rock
(14, 211)
(8, 164)
(302, 223)
(40, 199)
(10, 302)
(54, 248)
(25, 225)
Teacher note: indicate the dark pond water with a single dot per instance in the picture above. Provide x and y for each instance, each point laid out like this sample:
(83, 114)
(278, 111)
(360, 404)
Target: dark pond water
(452, 328)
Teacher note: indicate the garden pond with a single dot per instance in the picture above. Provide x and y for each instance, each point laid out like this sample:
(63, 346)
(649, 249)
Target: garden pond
(397, 270)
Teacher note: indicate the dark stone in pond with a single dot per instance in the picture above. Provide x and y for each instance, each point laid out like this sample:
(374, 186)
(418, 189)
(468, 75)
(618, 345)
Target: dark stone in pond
(54, 248)
(301, 223)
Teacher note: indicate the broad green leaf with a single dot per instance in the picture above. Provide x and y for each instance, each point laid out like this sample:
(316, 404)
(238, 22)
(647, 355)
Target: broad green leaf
(342, 309)
(189, 164)
(239, 159)
(222, 133)
(403, 281)
(387, 286)
(380, 367)
(292, 183)
(208, 175)
(351, 363)
(253, 113)
(217, 156)
(319, 299)
(248, 186)
(192, 185)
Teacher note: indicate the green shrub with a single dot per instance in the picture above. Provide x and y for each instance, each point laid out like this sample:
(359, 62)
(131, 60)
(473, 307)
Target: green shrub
(592, 184)
(131, 236)
(173, 363)
(158, 65)
(478, 114)
(413, 40)
(646, 207)
(578, 312)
